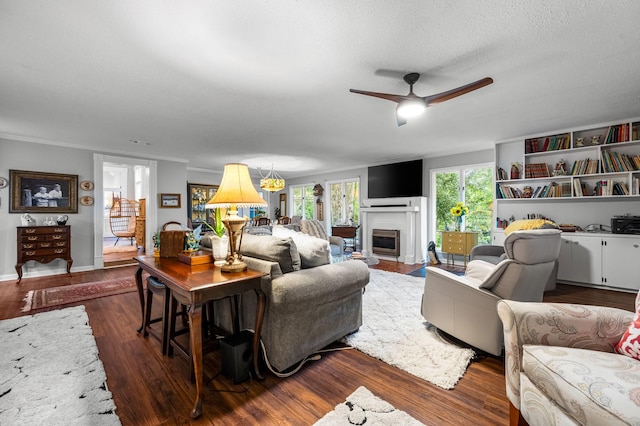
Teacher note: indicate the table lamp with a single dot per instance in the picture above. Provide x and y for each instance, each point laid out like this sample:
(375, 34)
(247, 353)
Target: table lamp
(236, 190)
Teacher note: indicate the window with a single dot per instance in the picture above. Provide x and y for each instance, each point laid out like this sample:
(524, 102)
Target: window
(344, 203)
(302, 200)
(473, 185)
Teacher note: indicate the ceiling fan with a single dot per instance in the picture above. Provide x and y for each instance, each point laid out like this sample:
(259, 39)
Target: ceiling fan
(411, 105)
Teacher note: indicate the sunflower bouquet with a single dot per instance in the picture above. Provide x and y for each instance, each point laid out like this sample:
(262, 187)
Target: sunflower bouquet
(458, 211)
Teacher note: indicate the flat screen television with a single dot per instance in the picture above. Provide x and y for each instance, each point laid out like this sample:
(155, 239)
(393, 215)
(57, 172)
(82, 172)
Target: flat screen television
(395, 180)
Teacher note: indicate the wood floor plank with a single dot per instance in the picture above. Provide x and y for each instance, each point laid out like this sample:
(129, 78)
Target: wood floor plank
(151, 389)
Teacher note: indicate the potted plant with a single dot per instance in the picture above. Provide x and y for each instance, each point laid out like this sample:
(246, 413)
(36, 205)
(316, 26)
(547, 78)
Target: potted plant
(219, 239)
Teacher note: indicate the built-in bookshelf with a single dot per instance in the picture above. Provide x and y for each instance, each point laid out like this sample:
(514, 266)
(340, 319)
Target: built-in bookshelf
(603, 161)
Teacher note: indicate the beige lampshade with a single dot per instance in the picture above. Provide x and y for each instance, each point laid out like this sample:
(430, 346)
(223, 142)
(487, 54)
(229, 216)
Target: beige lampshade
(236, 189)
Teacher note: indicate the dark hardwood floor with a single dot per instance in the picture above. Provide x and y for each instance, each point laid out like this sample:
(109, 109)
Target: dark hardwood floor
(151, 389)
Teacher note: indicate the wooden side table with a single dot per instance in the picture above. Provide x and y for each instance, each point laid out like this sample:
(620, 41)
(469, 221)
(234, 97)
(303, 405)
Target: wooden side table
(458, 243)
(194, 286)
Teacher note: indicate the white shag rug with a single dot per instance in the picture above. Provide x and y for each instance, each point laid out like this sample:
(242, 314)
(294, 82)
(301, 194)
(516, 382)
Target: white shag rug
(364, 408)
(394, 331)
(50, 373)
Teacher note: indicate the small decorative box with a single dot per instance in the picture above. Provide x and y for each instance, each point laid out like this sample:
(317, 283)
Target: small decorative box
(195, 257)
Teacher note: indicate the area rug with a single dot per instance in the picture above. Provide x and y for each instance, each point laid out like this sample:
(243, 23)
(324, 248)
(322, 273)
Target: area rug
(50, 373)
(394, 331)
(364, 408)
(63, 295)
(422, 272)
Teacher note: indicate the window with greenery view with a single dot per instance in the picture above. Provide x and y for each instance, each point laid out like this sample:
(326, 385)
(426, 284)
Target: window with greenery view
(344, 202)
(302, 201)
(473, 185)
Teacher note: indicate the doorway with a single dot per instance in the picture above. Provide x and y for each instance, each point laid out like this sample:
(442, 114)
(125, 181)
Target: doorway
(121, 180)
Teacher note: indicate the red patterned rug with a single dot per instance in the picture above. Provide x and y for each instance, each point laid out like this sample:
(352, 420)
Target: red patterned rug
(57, 296)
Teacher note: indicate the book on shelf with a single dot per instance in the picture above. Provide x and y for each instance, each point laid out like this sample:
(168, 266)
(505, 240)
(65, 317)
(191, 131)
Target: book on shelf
(584, 167)
(501, 174)
(536, 170)
(606, 187)
(577, 188)
(557, 142)
(531, 146)
(617, 133)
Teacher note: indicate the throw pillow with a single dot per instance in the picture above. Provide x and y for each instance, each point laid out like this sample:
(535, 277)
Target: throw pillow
(629, 345)
(273, 249)
(527, 224)
(313, 251)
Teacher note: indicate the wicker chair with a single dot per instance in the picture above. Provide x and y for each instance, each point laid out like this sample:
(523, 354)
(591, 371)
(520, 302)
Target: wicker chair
(122, 218)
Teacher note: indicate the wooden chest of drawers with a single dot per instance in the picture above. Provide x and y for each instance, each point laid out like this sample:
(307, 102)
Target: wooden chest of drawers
(43, 244)
(458, 243)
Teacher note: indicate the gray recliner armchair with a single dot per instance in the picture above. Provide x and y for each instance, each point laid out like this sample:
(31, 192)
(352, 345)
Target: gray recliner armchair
(465, 306)
(495, 254)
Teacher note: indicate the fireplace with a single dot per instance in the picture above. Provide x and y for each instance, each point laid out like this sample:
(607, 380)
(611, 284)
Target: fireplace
(406, 218)
(386, 242)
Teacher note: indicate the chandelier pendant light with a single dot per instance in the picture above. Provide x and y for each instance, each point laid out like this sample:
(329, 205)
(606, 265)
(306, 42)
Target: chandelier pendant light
(272, 182)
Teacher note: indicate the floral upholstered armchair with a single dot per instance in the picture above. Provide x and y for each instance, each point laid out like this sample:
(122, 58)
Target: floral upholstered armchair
(561, 364)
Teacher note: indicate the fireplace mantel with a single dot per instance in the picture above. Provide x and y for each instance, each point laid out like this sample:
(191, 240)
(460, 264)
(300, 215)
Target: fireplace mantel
(390, 209)
(407, 215)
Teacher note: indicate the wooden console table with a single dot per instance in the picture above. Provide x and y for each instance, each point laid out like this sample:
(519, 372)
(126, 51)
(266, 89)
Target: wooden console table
(43, 244)
(458, 243)
(194, 286)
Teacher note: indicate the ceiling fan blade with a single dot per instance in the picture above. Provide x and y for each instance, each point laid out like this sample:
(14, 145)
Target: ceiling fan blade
(401, 120)
(387, 96)
(450, 94)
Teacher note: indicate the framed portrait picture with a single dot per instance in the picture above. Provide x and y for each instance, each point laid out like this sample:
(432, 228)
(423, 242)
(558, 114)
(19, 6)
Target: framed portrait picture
(40, 192)
(198, 195)
(170, 201)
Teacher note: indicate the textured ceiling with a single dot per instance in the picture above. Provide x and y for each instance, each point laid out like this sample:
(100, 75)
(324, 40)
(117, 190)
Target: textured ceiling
(211, 82)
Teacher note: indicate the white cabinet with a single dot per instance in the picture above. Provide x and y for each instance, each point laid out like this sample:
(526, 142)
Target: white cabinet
(580, 259)
(621, 262)
(610, 260)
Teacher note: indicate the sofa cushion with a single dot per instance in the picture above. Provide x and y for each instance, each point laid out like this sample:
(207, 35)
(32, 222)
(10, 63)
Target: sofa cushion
(258, 230)
(629, 345)
(593, 387)
(313, 251)
(275, 249)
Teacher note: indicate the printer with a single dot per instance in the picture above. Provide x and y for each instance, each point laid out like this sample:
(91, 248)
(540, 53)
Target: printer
(626, 224)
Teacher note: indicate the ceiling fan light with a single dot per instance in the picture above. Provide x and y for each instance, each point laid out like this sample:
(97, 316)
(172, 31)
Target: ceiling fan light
(411, 108)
